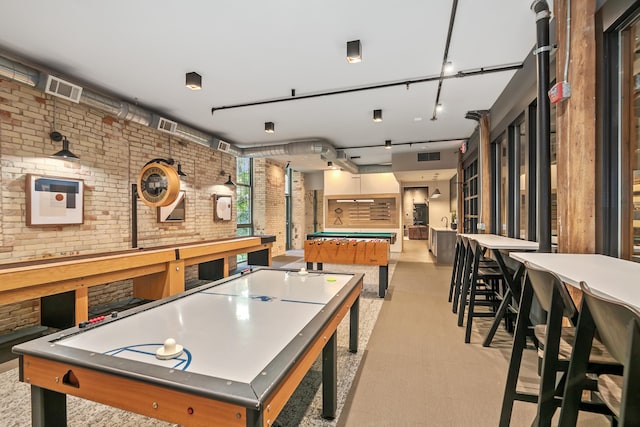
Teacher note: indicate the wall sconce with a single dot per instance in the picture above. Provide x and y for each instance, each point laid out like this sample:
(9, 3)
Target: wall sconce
(387, 144)
(269, 127)
(64, 153)
(354, 51)
(377, 115)
(194, 81)
(180, 171)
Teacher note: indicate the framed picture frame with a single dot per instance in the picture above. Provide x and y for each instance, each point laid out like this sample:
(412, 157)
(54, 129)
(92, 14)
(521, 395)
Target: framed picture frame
(221, 207)
(175, 212)
(54, 200)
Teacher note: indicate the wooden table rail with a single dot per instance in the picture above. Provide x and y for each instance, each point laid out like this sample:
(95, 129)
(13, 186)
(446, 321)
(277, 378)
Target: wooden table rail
(156, 272)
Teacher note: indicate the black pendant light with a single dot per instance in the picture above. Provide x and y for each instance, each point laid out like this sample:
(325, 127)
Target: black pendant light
(229, 183)
(64, 153)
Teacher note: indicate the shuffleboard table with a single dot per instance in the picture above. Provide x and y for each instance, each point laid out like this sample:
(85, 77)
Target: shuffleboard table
(247, 341)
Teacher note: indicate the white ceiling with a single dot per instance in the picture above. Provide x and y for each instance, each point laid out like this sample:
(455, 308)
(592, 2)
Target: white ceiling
(249, 51)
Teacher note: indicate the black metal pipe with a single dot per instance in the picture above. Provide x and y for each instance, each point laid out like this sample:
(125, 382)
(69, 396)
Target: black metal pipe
(447, 44)
(543, 126)
(469, 73)
(134, 215)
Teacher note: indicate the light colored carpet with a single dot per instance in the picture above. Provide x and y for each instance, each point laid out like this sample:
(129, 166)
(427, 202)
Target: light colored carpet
(303, 409)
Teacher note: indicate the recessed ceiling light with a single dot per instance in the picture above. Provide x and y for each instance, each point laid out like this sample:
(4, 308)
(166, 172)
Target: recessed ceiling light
(193, 81)
(354, 51)
(417, 119)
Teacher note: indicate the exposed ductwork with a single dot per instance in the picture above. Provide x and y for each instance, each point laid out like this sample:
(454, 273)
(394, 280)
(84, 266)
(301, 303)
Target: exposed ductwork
(126, 111)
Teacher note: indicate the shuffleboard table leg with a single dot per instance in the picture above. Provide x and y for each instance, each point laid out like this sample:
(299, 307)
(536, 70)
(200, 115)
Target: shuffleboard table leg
(354, 322)
(48, 408)
(383, 280)
(330, 378)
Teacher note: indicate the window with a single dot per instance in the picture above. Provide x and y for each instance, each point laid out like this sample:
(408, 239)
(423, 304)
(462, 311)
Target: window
(523, 207)
(244, 175)
(630, 167)
(470, 193)
(503, 177)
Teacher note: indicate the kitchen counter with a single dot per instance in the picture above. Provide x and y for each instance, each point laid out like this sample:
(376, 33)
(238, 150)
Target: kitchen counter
(442, 243)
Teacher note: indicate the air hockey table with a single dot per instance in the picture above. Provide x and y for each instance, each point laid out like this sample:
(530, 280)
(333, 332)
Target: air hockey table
(247, 340)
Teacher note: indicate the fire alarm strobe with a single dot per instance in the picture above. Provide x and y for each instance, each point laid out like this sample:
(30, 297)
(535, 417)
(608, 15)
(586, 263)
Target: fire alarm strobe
(559, 92)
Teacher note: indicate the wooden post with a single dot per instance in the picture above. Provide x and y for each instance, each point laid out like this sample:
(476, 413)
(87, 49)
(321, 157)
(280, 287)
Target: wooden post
(82, 304)
(576, 129)
(484, 173)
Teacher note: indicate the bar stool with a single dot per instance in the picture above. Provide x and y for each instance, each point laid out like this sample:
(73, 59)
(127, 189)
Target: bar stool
(464, 272)
(618, 327)
(479, 290)
(555, 342)
(458, 266)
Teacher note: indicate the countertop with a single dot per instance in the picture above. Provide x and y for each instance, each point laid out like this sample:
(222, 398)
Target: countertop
(443, 229)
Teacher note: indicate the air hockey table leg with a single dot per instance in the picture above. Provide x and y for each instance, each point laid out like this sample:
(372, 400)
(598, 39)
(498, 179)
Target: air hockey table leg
(329, 378)
(48, 408)
(354, 322)
(383, 280)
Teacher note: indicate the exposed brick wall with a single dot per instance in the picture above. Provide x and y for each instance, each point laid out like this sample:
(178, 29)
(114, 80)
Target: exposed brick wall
(298, 210)
(311, 218)
(269, 202)
(112, 153)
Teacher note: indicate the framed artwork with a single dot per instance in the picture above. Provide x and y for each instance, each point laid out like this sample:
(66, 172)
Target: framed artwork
(222, 207)
(54, 201)
(175, 212)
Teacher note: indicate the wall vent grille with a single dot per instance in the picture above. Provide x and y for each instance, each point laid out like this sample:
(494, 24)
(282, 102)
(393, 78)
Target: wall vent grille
(63, 89)
(166, 125)
(223, 146)
(429, 157)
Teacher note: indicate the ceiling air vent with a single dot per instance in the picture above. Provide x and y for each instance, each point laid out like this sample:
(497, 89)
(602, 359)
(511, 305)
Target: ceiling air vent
(428, 157)
(63, 89)
(166, 125)
(223, 146)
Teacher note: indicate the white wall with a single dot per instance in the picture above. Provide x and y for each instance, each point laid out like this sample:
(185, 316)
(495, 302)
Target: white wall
(341, 182)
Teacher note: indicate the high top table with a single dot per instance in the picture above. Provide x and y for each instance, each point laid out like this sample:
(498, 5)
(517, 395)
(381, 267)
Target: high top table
(247, 343)
(612, 277)
(499, 244)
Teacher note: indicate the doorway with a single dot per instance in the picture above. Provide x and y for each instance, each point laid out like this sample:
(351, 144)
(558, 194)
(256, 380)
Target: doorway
(420, 214)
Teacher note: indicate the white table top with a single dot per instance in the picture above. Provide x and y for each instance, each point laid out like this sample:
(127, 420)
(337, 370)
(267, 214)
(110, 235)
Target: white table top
(228, 331)
(494, 241)
(613, 277)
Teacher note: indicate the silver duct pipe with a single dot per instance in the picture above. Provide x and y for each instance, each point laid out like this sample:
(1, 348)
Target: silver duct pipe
(321, 147)
(315, 146)
(375, 169)
(18, 72)
(126, 111)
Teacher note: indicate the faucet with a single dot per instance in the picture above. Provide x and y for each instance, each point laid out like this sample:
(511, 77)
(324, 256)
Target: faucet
(446, 221)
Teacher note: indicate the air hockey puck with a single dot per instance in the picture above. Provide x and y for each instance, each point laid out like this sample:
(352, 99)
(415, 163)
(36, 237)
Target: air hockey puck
(169, 350)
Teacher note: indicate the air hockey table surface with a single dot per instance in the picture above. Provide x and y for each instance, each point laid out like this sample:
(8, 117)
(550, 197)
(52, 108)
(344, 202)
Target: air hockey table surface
(242, 337)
